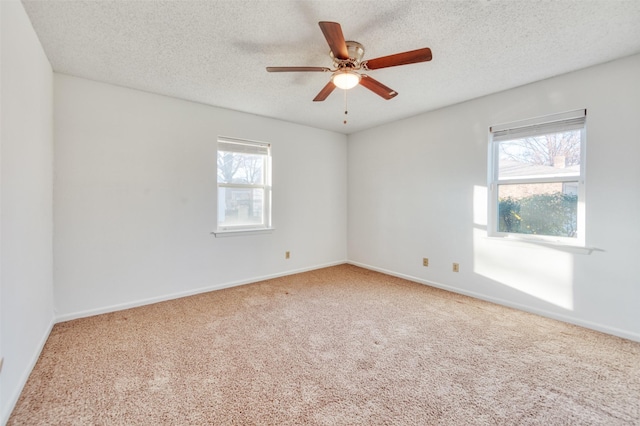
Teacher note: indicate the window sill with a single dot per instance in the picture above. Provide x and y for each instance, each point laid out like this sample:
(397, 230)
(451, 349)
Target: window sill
(559, 245)
(240, 232)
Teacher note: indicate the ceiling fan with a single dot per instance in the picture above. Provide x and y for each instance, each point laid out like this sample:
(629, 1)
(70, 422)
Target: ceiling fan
(347, 62)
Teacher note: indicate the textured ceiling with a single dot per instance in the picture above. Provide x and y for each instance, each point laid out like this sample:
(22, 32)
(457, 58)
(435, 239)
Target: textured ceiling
(215, 52)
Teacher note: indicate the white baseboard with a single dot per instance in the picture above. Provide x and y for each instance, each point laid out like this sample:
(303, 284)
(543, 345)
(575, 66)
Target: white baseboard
(8, 409)
(163, 298)
(542, 312)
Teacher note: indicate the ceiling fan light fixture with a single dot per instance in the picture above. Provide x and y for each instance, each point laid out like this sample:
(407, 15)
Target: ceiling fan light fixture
(346, 79)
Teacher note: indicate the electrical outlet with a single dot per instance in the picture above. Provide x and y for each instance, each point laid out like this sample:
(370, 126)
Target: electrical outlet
(456, 267)
(287, 255)
(425, 261)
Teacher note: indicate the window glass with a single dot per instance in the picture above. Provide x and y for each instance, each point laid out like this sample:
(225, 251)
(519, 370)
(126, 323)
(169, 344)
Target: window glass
(540, 156)
(240, 206)
(538, 209)
(234, 167)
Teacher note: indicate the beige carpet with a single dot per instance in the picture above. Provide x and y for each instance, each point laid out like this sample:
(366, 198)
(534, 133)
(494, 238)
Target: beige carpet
(337, 346)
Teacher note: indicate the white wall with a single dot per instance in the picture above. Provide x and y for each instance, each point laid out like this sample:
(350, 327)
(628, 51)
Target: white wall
(417, 188)
(135, 182)
(26, 201)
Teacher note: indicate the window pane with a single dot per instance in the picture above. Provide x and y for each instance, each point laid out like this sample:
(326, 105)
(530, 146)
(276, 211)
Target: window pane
(240, 206)
(555, 154)
(539, 208)
(234, 167)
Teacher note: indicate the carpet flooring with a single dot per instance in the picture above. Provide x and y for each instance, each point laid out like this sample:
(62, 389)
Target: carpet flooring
(335, 346)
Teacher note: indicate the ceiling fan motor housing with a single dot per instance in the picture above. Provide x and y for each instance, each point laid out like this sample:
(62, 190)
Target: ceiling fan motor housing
(356, 52)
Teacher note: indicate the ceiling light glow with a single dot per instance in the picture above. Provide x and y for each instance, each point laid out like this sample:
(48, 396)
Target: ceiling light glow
(345, 79)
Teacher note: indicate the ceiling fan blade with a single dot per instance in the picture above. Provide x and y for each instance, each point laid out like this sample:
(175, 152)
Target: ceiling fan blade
(405, 58)
(378, 88)
(333, 33)
(297, 69)
(326, 91)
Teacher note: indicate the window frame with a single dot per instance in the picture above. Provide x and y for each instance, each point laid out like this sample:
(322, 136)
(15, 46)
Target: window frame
(266, 186)
(555, 123)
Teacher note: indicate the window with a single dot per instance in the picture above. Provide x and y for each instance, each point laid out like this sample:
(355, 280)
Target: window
(536, 178)
(244, 186)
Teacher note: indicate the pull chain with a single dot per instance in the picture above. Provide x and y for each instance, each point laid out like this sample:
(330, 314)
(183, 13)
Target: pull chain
(345, 107)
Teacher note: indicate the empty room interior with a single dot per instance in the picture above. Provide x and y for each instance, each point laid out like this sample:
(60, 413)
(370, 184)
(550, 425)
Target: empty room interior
(312, 212)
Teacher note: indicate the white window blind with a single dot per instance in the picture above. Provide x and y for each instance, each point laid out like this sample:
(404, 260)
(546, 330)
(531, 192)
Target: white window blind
(556, 123)
(243, 147)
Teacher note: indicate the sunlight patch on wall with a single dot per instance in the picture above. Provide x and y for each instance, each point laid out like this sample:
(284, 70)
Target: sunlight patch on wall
(480, 205)
(536, 270)
(541, 272)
